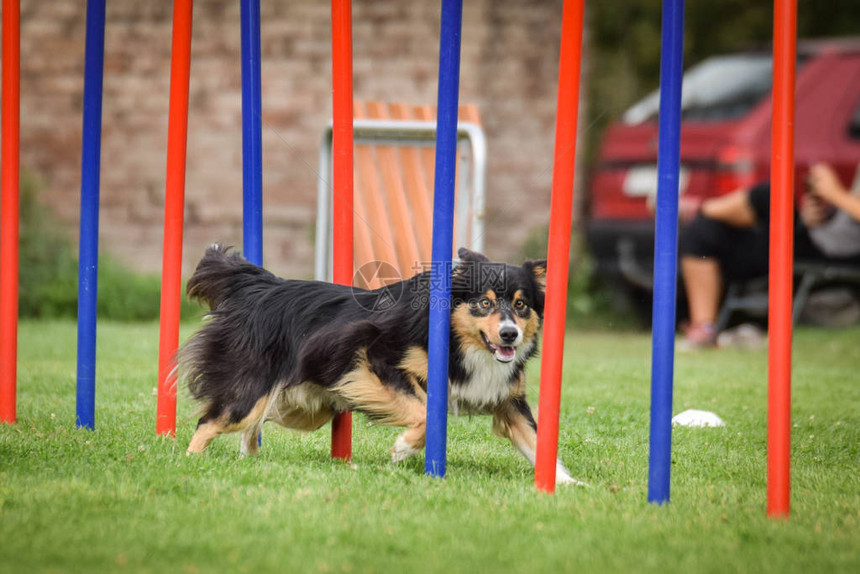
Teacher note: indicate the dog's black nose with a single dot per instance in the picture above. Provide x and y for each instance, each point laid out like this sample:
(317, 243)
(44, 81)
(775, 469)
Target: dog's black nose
(508, 334)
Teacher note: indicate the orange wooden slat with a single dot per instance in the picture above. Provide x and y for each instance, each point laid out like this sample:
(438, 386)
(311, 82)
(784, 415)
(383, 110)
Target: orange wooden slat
(418, 193)
(405, 245)
(428, 154)
(469, 113)
(394, 195)
(428, 160)
(466, 113)
(373, 215)
(362, 244)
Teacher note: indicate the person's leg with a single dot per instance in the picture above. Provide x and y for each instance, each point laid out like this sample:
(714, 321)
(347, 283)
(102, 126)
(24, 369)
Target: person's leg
(700, 246)
(715, 251)
(703, 282)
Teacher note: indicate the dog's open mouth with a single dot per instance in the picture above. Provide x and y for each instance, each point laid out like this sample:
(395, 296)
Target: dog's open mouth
(501, 353)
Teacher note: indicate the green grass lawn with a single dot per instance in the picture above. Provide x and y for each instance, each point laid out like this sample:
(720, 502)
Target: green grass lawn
(122, 499)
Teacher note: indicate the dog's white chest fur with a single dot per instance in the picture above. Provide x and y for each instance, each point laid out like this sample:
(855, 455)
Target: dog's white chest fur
(489, 382)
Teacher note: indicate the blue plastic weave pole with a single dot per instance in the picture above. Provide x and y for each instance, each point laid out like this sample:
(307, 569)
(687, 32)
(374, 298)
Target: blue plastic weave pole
(443, 233)
(252, 134)
(89, 223)
(666, 251)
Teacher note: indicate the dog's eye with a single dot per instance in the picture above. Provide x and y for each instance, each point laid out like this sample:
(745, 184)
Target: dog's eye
(484, 303)
(519, 304)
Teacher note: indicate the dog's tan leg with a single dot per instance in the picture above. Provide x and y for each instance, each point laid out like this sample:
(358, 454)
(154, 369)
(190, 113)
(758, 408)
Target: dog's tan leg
(250, 440)
(251, 427)
(251, 424)
(514, 421)
(364, 391)
(205, 433)
(410, 442)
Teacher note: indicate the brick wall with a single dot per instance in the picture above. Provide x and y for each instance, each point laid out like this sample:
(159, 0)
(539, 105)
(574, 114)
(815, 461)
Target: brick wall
(509, 67)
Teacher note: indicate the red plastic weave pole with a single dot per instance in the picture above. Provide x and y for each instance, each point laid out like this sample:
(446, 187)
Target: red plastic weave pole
(9, 224)
(558, 251)
(781, 250)
(342, 152)
(174, 204)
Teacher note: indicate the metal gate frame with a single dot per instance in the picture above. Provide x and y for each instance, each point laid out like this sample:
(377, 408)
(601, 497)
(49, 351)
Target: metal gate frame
(472, 161)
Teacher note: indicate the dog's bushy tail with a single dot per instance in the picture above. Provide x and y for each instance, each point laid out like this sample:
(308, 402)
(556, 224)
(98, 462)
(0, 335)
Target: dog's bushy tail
(220, 273)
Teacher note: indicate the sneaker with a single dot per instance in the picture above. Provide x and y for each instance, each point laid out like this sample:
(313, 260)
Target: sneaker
(745, 336)
(698, 337)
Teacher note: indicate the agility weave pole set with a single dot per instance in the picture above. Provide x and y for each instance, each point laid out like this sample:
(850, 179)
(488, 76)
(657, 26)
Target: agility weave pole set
(557, 256)
(665, 273)
(781, 255)
(252, 183)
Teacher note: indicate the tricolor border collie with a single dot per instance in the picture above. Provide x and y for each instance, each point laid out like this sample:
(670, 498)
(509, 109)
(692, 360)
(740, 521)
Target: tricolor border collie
(298, 352)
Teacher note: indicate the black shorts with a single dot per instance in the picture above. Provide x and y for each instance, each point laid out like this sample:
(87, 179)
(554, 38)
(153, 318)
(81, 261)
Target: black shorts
(743, 252)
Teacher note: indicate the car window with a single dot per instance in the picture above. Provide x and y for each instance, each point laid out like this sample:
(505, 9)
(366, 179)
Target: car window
(718, 89)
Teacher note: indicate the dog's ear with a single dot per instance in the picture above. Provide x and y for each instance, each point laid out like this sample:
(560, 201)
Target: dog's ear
(538, 270)
(473, 256)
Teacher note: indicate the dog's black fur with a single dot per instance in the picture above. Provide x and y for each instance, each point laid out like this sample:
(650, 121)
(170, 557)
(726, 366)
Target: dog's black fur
(298, 352)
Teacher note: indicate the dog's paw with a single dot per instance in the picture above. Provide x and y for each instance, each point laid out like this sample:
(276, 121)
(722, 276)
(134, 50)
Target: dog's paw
(563, 478)
(245, 452)
(402, 450)
(248, 447)
(570, 481)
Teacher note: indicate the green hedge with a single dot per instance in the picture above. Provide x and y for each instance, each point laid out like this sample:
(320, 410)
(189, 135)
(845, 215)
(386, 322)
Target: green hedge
(48, 272)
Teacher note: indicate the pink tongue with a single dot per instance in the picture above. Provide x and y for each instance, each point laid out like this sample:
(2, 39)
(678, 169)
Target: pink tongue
(506, 351)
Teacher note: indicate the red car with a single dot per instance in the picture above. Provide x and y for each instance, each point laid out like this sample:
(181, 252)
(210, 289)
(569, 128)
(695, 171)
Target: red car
(725, 145)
